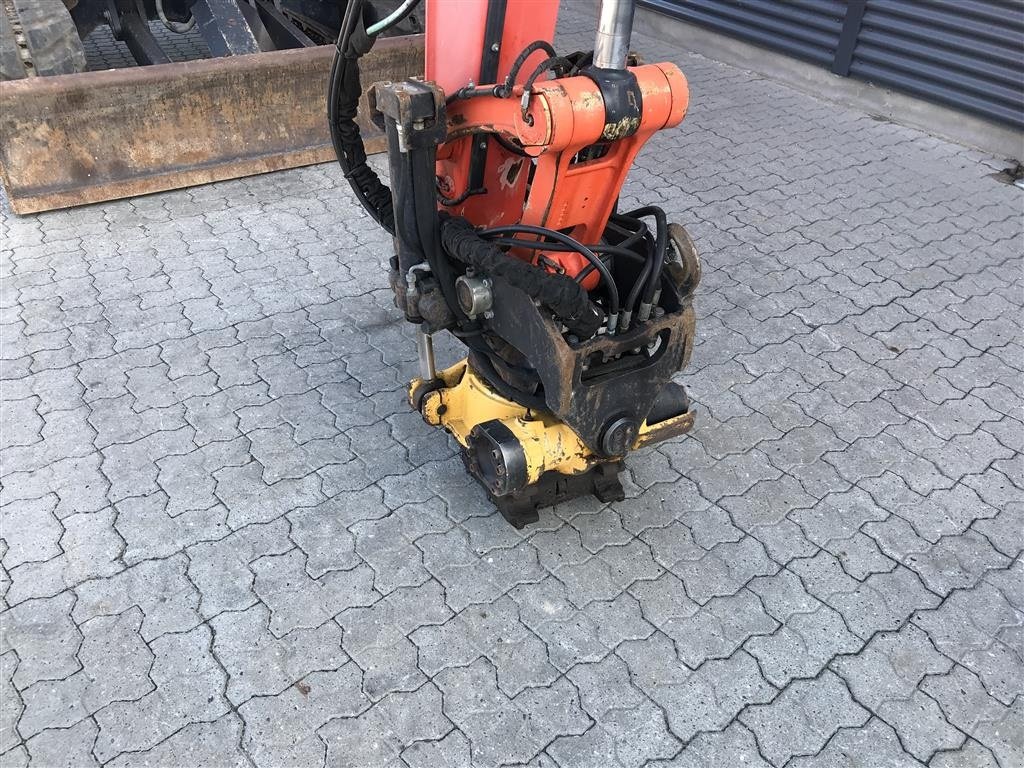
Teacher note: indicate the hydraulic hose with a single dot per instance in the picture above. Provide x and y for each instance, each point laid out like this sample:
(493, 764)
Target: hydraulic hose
(566, 298)
(343, 92)
(660, 247)
(576, 245)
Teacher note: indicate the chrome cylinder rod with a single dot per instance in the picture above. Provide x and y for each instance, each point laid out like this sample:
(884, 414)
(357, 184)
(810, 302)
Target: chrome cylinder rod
(425, 347)
(614, 28)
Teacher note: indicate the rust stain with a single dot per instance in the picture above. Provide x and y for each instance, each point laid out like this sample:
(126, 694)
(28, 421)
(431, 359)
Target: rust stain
(149, 129)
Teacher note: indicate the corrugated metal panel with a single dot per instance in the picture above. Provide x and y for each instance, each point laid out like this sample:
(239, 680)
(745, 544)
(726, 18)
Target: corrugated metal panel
(968, 54)
(807, 29)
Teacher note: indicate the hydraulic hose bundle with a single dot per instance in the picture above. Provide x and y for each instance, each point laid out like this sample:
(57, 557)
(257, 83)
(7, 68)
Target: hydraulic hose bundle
(561, 294)
(483, 249)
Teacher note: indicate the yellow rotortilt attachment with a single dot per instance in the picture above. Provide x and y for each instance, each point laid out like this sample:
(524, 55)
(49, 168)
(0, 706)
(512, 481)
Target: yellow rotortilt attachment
(510, 448)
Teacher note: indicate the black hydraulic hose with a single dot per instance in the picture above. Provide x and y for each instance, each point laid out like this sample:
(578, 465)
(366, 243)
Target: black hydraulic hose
(540, 245)
(343, 92)
(601, 248)
(634, 230)
(560, 64)
(660, 246)
(634, 292)
(513, 73)
(617, 223)
(561, 294)
(481, 362)
(576, 245)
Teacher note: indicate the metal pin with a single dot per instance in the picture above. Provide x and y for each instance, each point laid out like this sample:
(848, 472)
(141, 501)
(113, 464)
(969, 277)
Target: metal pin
(425, 348)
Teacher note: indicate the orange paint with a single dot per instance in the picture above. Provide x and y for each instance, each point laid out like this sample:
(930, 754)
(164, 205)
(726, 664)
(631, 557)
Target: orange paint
(565, 116)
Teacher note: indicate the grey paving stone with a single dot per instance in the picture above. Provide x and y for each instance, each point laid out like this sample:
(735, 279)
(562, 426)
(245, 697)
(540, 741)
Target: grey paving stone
(296, 600)
(718, 628)
(250, 500)
(922, 727)
(44, 638)
(65, 748)
(15, 758)
(132, 467)
(705, 700)
(452, 751)
(387, 543)
(972, 754)
(282, 729)
(188, 479)
(10, 713)
(837, 516)
(499, 633)
(968, 706)
(469, 578)
(874, 744)
(965, 629)
(143, 529)
(77, 482)
(956, 562)
(891, 666)
(379, 638)
(378, 735)
(508, 730)
(803, 645)
(734, 745)
(31, 531)
(115, 667)
(90, 548)
(169, 601)
(220, 569)
(205, 444)
(725, 569)
(883, 601)
(203, 743)
(260, 664)
(823, 706)
(189, 688)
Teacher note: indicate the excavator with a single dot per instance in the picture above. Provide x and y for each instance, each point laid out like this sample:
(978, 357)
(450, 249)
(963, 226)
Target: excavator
(506, 164)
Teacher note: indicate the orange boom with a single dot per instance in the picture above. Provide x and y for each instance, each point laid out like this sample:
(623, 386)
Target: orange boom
(506, 167)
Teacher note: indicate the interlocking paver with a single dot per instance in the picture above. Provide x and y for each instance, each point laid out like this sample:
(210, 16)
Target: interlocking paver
(226, 539)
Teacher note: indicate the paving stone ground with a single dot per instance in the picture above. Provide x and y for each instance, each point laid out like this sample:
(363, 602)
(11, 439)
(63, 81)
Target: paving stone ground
(227, 541)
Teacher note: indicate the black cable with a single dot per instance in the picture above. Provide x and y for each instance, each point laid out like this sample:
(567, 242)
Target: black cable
(660, 246)
(452, 202)
(601, 248)
(563, 296)
(467, 92)
(589, 255)
(344, 91)
(638, 284)
(634, 230)
(510, 81)
(559, 64)
(617, 222)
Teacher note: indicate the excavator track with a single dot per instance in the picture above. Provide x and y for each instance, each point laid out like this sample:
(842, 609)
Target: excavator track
(38, 37)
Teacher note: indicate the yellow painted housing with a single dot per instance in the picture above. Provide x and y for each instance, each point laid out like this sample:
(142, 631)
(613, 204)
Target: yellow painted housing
(549, 444)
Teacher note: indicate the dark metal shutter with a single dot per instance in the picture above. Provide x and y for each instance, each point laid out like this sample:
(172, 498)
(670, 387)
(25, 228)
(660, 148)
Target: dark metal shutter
(807, 29)
(968, 54)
